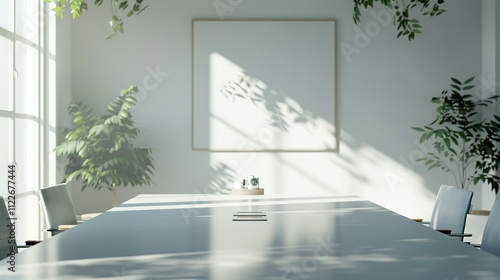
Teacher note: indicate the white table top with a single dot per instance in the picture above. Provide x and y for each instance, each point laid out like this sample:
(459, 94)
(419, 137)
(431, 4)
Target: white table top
(194, 237)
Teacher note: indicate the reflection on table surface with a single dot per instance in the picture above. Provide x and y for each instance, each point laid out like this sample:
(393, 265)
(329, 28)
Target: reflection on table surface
(194, 237)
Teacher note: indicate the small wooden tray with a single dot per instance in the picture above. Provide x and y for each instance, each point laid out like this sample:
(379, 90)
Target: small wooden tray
(247, 191)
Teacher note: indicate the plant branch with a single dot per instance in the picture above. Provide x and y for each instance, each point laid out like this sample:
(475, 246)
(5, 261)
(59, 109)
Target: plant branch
(130, 7)
(406, 25)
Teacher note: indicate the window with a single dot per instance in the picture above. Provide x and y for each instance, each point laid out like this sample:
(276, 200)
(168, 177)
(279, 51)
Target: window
(25, 91)
(5, 73)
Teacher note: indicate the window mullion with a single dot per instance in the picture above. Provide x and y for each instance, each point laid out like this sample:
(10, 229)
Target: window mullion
(14, 77)
(42, 127)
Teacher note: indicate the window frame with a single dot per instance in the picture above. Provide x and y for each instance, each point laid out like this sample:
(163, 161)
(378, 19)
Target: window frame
(27, 200)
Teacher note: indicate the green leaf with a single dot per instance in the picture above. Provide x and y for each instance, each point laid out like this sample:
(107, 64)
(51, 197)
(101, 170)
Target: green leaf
(123, 5)
(456, 87)
(96, 130)
(123, 114)
(456, 81)
(469, 80)
(436, 100)
(447, 142)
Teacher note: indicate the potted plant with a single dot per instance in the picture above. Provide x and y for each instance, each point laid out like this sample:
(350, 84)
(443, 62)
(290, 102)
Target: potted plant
(99, 149)
(464, 136)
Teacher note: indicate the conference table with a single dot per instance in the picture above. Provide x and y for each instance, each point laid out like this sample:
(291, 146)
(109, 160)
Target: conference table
(251, 237)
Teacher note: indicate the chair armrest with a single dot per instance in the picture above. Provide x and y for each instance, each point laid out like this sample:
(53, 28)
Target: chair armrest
(31, 242)
(52, 231)
(445, 231)
(460, 234)
(449, 233)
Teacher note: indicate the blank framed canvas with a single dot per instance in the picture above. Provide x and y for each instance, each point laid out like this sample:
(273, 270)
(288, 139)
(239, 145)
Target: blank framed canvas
(264, 85)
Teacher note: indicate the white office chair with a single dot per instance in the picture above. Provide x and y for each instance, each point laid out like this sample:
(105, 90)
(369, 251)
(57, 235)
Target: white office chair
(491, 234)
(4, 231)
(58, 208)
(450, 211)
(5, 236)
(59, 211)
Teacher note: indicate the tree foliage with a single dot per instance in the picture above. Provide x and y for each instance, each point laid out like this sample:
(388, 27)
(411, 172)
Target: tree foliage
(99, 149)
(405, 23)
(462, 138)
(78, 6)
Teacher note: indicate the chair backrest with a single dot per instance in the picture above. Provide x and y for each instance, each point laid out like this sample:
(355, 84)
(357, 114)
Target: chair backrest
(5, 232)
(491, 234)
(451, 209)
(57, 206)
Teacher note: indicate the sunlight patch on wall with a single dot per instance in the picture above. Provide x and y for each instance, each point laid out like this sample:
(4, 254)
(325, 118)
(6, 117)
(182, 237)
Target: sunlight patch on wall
(358, 169)
(247, 114)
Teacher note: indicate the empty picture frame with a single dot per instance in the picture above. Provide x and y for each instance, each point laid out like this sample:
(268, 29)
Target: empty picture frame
(262, 85)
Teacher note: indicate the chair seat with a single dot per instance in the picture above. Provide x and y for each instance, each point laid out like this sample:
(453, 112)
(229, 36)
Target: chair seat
(88, 216)
(65, 227)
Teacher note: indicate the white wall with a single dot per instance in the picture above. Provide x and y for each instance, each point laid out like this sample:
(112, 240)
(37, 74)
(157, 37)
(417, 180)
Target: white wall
(382, 90)
(63, 60)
